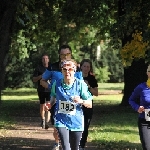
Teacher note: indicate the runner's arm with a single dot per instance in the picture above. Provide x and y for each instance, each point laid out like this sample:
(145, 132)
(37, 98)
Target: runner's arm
(46, 76)
(36, 76)
(44, 83)
(86, 95)
(52, 100)
(35, 79)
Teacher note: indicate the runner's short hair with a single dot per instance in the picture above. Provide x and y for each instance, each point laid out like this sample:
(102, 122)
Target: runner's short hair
(64, 47)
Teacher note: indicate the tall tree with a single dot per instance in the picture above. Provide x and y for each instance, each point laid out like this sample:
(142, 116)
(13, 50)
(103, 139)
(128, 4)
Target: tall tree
(132, 28)
(7, 14)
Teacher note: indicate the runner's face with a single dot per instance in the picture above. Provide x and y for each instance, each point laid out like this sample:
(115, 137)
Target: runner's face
(68, 73)
(45, 59)
(65, 54)
(148, 71)
(85, 68)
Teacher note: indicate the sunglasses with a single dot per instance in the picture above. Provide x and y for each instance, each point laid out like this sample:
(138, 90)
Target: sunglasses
(64, 55)
(65, 70)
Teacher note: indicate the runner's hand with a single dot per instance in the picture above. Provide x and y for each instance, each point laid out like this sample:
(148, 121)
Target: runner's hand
(44, 83)
(47, 106)
(141, 109)
(77, 99)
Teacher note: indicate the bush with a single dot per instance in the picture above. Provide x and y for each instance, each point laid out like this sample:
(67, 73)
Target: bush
(102, 74)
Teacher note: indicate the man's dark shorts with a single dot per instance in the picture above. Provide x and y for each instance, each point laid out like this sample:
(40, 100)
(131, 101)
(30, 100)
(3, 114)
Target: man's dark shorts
(44, 97)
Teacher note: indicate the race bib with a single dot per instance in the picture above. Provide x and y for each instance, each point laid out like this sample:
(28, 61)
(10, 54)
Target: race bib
(147, 114)
(67, 107)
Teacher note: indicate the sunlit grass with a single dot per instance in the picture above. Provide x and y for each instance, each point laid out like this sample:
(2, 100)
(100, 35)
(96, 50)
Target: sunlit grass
(116, 98)
(20, 90)
(114, 127)
(110, 86)
(29, 97)
(20, 94)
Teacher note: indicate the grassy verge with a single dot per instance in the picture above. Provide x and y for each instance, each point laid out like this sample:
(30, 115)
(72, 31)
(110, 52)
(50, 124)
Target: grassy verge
(16, 103)
(114, 127)
(110, 86)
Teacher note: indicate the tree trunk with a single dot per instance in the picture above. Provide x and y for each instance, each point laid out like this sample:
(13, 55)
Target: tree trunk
(133, 75)
(7, 14)
(136, 73)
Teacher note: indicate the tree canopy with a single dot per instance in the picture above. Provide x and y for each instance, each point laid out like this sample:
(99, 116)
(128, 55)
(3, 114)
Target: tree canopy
(133, 28)
(32, 27)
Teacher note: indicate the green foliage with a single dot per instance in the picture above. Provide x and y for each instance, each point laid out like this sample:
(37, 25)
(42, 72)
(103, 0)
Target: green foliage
(19, 71)
(44, 25)
(110, 57)
(102, 74)
(18, 74)
(19, 68)
(133, 16)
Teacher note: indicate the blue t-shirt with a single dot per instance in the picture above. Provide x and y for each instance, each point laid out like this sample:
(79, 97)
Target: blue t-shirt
(67, 113)
(54, 73)
(142, 92)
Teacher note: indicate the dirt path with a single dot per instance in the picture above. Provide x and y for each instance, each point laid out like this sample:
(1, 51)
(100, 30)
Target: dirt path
(27, 134)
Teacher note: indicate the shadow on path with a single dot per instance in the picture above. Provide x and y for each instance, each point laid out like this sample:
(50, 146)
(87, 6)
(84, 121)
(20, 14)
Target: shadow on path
(27, 134)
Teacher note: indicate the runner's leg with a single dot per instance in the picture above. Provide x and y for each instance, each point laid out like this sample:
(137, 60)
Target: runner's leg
(42, 108)
(47, 113)
(55, 133)
(64, 138)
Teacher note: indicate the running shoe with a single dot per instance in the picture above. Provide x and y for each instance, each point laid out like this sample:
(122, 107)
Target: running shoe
(46, 125)
(43, 124)
(56, 146)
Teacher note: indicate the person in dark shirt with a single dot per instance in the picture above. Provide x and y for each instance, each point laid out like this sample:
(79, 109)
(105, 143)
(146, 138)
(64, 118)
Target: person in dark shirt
(89, 79)
(43, 93)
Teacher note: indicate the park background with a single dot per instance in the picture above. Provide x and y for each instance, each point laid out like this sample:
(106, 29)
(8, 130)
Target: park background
(113, 34)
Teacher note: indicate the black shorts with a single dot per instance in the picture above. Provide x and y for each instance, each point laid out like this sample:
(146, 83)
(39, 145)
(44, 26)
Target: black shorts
(52, 114)
(88, 112)
(43, 97)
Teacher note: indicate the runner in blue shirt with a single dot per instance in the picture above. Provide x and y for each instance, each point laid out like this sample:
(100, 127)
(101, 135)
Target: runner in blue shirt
(69, 94)
(54, 73)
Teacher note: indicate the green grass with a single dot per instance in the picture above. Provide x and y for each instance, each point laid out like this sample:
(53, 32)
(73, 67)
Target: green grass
(14, 103)
(110, 86)
(113, 127)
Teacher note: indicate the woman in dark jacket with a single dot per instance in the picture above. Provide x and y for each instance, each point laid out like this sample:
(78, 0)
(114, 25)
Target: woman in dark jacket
(89, 78)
